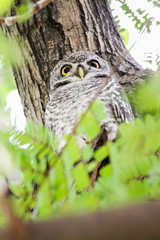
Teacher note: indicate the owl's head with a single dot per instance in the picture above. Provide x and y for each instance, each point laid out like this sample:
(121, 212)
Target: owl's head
(77, 67)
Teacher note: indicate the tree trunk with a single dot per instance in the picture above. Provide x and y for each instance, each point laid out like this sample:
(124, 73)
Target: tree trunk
(61, 28)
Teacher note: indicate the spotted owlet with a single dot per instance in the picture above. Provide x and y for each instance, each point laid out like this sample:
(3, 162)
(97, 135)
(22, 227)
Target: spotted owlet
(75, 82)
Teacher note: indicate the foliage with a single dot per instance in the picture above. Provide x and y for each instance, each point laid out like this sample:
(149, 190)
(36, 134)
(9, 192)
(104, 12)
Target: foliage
(144, 20)
(45, 183)
(153, 57)
(48, 183)
(5, 5)
(140, 17)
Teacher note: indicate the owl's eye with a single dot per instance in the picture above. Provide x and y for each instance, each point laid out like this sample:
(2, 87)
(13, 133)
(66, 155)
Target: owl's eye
(65, 69)
(94, 63)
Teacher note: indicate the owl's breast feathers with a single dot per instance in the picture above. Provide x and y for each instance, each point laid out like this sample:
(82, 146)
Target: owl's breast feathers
(68, 102)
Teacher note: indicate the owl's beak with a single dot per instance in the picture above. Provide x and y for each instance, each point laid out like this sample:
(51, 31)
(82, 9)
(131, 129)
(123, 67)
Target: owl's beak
(80, 72)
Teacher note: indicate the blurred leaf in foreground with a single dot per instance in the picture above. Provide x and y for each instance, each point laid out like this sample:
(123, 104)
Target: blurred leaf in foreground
(5, 5)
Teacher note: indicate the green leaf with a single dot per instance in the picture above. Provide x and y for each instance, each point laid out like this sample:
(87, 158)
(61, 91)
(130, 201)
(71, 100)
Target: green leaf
(106, 171)
(71, 153)
(98, 111)
(88, 126)
(44, 199)
(125, 35)
(146, 93)
(101, 153)
(58, 182)
(5, 5)
(91, 166)
(25, 11)
(11, 49)
(87, 153)
(81, 177)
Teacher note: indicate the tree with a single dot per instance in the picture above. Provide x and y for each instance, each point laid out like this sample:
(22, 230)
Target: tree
(54, 32)
(47, 36)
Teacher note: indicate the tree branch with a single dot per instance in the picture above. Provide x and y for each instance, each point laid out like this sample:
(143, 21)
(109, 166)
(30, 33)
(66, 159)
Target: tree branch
(17, 18)
(136, 222)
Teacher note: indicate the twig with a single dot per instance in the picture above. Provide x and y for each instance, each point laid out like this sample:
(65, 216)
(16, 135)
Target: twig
(36, 8)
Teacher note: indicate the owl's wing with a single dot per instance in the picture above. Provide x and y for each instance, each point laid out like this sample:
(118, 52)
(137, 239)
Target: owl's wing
(121, 106)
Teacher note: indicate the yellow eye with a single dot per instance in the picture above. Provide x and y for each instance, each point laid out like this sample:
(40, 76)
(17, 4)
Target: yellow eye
(94, 63)
(65, 69)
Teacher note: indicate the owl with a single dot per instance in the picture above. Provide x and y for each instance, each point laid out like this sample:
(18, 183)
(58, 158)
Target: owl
(78, 80)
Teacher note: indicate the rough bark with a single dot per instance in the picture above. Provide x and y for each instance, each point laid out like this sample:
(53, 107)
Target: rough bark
(61, 28)
(136, 222)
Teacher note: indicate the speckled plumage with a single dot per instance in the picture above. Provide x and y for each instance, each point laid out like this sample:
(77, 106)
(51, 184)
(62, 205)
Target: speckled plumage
(71, 95)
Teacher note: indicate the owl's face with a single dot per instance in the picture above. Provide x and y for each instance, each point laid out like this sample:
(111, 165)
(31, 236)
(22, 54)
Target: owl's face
(78, 67)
